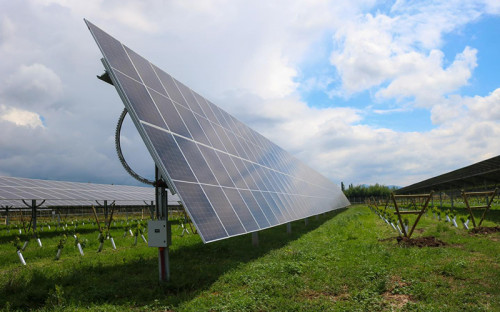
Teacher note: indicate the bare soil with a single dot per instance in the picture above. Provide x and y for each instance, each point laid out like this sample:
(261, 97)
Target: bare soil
(485, 230)
(427, 241)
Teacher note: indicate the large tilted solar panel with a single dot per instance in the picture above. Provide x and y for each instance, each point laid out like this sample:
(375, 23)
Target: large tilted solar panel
(230, 179)
(60, 193)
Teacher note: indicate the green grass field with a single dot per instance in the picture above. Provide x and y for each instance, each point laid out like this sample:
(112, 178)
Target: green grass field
(346, 260)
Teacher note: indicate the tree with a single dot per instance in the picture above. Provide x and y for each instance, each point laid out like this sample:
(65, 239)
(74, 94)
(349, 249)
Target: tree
(366, 191)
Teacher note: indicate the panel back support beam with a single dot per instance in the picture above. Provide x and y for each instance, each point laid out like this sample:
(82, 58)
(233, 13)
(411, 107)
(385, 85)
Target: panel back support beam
(33, 215)
(33, 207)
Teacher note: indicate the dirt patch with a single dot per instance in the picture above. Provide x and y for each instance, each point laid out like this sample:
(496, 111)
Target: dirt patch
(396, 301)
(428, 241)
(485, 230)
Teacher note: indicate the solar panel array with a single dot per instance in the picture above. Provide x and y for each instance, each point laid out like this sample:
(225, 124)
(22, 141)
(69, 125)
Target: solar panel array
(58, 193)
(485, 173)
(231, 179)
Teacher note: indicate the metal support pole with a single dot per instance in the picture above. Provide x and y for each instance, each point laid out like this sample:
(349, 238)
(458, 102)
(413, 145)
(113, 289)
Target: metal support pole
(441, 200)
(289, 228)
(306, 221)
(255, 239)
(33, 214)
(317, 217)
(152, 208)
(7, 216)
(162, 214)
(451, 198)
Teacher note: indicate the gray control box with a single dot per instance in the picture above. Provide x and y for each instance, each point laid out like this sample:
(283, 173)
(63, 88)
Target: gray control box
(157, 233)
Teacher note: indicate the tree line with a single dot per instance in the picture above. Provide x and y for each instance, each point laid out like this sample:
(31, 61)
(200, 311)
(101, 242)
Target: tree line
(367, 190)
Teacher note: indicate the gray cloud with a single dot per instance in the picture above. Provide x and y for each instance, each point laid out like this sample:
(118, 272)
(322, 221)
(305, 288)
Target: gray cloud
(246, 58)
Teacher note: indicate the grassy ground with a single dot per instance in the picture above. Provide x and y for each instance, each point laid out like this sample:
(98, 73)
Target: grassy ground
(347, 260)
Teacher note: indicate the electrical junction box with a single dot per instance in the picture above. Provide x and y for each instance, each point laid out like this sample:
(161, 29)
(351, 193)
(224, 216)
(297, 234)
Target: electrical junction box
(158, 233)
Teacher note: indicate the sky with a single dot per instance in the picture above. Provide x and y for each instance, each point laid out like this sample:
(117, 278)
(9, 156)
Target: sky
(364, 92)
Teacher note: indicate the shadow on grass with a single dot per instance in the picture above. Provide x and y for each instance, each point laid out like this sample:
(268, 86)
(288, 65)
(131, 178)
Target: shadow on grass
(194, 268)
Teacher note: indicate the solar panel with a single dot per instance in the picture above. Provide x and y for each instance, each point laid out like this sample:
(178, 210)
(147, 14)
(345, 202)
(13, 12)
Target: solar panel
(59, 193)
(230, 179)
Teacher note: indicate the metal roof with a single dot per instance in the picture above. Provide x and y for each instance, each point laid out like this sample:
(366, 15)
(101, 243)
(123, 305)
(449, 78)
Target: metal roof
(485, 173)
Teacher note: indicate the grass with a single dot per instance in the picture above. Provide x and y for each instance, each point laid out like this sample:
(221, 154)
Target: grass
(346, 260)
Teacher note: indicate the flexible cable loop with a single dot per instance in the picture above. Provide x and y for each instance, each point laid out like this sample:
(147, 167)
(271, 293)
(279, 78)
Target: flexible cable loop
(120, 154)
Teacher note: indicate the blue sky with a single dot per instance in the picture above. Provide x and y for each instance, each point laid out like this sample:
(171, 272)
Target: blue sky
(365, 92)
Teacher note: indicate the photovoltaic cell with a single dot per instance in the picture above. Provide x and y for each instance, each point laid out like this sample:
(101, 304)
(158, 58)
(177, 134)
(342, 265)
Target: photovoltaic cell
(230, 179)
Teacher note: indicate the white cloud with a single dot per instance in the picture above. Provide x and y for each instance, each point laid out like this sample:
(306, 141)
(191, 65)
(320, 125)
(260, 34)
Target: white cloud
(403, 50)
(485, 108)
(425, 79)
(21, 117)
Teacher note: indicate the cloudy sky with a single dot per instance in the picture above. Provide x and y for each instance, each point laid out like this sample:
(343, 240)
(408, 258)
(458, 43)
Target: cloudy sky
(392, 92)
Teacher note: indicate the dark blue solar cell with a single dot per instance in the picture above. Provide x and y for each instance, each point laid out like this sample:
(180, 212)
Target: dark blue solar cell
(266, 208)
(257, 177)
(217, 168)
(211, 134)
(170, 114)
(248, 151)
(236, 144)
(224, 210)
(206, 109)
(229, 122)
(254, 208)
(225, 139)
(146, 72)
(241, 209)
(141, 102)
(236, 126)
(300, 208)
(274, 207)
(273, 177)
(264, 174)
(113, 51)
(217, 112)
(282, 206)
(190, 99)
(193, 125)
(232, 170)
(202, 214)
(288, 204)
(292, 205)
(170, 86)
(242, 168)
(196, 161)
(170, 154)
